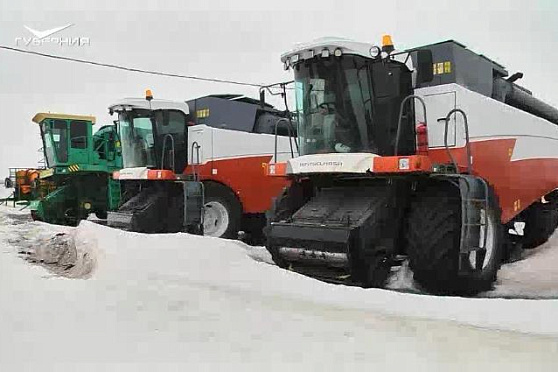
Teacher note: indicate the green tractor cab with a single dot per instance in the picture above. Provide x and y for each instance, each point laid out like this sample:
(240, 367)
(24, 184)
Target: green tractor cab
(78, 179)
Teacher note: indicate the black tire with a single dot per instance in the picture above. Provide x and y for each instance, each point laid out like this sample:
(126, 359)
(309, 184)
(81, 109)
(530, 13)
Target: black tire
(279, 211)
(8, 183)
(541, 220)
(283, 207)
(373, 271)
(102, 215)
(433, 238)
(220, 195)
(195, 230)
(371, 259)
(253, 226)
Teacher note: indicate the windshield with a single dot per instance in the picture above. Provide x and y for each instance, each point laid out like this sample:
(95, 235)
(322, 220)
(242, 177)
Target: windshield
(334, 103)
(55, 137)
(348, 104)
(136, 135)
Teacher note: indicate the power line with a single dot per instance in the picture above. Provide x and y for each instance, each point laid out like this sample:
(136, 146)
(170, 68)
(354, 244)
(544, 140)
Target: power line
(131, 69)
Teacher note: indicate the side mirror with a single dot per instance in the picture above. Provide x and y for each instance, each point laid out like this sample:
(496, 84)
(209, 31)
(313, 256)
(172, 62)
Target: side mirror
(424, 60)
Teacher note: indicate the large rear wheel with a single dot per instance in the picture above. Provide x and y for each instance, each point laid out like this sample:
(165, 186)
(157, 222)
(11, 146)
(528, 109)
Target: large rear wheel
(433, 239)
(222, 212)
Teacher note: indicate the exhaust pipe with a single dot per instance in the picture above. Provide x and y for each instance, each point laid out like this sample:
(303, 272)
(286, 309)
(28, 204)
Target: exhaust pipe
(300, 254)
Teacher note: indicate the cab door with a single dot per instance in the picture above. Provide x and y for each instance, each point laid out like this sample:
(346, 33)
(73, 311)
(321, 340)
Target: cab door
(171, 133)
(80, 138)
(437, 107)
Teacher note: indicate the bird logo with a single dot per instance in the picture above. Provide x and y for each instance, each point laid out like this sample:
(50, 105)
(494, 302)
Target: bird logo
(46, 33)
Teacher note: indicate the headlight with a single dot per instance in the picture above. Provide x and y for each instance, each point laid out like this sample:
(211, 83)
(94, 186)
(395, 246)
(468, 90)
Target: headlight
(309, 54)
(375, 51)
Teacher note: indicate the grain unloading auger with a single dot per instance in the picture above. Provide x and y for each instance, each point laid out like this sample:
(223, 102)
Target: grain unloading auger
(430, 153)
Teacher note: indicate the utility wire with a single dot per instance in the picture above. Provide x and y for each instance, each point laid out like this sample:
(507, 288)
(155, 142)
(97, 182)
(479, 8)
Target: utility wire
(131, 69)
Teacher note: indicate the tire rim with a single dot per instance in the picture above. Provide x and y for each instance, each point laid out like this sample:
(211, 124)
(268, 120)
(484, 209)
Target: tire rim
(215, 219)
(488, 229)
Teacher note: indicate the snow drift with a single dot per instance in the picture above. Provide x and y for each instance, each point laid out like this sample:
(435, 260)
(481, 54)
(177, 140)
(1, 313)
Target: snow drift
(175, 301)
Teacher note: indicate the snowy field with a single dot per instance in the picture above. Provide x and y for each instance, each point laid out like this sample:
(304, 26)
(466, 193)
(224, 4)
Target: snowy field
(4, 192)
(93, 298)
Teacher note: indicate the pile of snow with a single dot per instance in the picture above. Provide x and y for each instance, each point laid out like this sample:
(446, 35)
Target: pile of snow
(62, 255)
(535, 276)
(180, 301)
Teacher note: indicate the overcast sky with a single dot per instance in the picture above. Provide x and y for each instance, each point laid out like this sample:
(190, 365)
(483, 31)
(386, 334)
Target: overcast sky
(237, 40)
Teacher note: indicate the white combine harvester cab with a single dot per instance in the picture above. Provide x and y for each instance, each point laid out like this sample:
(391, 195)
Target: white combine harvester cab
(348, 104)
(154, 138)
(149, 130)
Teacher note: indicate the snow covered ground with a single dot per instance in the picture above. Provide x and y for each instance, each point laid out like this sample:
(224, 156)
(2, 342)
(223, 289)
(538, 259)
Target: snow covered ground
(4, 192)
(109, 300)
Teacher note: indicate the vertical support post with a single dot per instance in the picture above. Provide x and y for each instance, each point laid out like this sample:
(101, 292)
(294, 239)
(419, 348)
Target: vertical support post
(193, 207)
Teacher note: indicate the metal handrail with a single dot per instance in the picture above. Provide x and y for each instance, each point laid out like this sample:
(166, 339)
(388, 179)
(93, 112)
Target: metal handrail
(101, 144)
(467, 141)
(172, 151)
(401, 107)
(197, 146)
(291, 130)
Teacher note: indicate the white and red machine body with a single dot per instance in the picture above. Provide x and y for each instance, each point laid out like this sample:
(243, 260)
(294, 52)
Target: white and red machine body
(515, 151)
(436, 161)
(228, 162)
(232, 158)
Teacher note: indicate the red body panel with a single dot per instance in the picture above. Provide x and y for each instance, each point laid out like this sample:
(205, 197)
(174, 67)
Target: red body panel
(517, 183)
(246, 178)
(391, 164)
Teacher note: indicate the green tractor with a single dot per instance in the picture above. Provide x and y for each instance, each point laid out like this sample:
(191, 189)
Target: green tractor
(78, 178)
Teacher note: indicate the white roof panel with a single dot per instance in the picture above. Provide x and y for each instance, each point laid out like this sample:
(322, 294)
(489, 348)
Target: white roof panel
(330, 43)
(155, 104)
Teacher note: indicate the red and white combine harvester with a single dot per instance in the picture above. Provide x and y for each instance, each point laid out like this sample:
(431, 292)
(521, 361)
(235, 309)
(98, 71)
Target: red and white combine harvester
(176, 161)
(433, 153)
